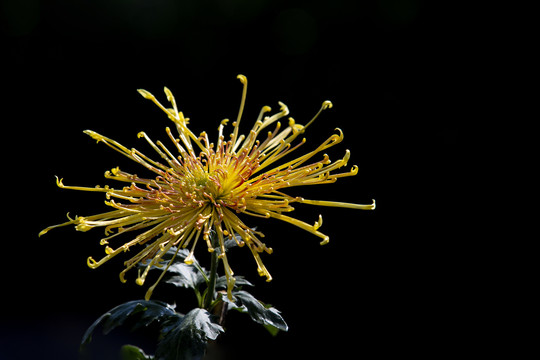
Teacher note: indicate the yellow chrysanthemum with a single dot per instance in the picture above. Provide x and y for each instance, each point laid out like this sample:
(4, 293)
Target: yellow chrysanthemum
(206, 186)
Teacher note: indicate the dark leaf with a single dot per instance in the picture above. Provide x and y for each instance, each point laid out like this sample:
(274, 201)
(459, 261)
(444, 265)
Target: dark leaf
(139, 312)
(184, 275)
(259, 312)
(180, 255)
(229, 243)
(185, 338)
(179, 273)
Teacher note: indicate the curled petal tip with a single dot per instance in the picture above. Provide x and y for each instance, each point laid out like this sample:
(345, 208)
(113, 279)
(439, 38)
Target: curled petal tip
(169, 94)
(91, 263)
(94, 135)
(318, 223)
(122, 278)
(327, 105)
(145, 94)
(59, 182)
(284, 109)
(242, 78)
(325, 241)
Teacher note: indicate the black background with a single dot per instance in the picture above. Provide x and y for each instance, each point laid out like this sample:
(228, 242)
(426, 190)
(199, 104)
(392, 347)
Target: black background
(387, 284)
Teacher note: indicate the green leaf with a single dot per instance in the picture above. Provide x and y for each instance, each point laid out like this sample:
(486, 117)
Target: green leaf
(272, 330)
(139, 312)
(258, 311)
(185, 338)
(130, 352)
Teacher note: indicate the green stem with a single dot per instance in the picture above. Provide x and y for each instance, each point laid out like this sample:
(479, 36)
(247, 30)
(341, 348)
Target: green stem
(199, 297)
(212, 280)
(201, 271)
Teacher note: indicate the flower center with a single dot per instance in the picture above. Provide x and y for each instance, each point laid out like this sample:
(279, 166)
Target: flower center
(201, 182)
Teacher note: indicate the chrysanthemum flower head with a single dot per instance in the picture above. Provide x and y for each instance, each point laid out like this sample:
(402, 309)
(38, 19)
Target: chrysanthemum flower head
(202, 187)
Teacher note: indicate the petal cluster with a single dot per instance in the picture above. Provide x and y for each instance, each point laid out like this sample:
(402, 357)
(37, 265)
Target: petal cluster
(200, 188)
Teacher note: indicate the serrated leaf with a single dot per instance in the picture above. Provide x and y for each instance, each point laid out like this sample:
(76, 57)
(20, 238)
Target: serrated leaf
(141, 312)
(258, 311)
(186, 338)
